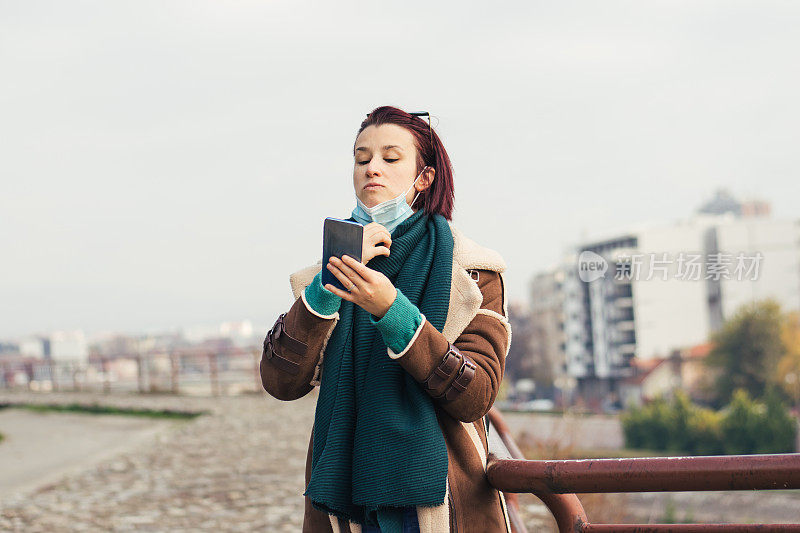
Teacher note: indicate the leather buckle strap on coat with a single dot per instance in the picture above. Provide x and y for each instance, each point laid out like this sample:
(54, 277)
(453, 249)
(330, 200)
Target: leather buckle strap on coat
(465, 375)
(444, 371)
(278, 331)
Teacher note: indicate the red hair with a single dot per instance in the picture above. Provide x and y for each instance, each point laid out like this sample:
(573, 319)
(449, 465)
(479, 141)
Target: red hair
(440, 196)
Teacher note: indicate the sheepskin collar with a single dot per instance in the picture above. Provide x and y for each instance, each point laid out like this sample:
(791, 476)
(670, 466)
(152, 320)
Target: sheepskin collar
(465, 296)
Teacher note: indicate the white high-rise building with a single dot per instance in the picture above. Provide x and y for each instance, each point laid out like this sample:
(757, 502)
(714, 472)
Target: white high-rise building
(664, 287)
(778, 275)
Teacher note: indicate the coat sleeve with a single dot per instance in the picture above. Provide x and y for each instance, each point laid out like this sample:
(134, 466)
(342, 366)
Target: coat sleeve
(291, 361)
(465, 377)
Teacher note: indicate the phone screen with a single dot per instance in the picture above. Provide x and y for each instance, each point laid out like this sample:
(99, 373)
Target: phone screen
(340, 237)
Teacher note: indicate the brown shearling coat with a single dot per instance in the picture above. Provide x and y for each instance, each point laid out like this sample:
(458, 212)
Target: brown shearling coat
(477, 325)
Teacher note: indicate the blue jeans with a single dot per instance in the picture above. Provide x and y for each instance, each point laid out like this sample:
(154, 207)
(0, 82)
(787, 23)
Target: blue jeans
(410, 523)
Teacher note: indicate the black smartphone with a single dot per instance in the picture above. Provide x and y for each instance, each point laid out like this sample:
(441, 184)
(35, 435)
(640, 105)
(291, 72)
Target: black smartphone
(339, 237)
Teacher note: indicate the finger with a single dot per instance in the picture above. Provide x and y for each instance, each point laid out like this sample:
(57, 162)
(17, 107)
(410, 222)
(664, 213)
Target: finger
(378, 234)
(384, 237)
(339, 292)
(364, 272)
(381, 250)
(351, 274)
(340, 275)
(377, 225)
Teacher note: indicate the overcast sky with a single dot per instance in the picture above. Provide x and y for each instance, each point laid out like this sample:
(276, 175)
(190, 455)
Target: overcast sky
(167, 164)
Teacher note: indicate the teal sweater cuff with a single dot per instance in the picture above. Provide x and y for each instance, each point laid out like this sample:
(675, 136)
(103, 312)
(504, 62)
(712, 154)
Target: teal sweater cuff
(398, 325)
(321, 299)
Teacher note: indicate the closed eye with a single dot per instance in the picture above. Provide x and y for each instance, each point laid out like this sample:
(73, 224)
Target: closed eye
(387, 160)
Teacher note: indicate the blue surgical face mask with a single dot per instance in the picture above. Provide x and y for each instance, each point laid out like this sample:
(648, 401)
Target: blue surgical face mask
(388, 214)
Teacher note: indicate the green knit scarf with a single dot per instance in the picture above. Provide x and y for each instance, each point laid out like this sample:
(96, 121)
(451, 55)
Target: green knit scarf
(377, 443)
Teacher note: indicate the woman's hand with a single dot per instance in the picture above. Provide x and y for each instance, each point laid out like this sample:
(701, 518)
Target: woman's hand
(374, 233)
(369, 289)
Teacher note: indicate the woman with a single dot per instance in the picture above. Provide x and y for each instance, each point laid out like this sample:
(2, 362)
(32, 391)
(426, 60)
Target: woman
(408, 360)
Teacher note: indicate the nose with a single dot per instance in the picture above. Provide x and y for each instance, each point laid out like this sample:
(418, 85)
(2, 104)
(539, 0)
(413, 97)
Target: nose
(373, 168)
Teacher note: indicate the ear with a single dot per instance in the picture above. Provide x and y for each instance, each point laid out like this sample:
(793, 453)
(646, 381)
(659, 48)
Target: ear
(426, 179)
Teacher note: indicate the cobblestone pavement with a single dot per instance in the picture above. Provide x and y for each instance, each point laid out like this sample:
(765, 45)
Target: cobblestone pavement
(240, 468)
(30, 457)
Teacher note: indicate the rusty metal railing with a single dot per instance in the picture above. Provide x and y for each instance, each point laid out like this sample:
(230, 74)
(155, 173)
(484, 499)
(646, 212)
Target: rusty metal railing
(557, 482)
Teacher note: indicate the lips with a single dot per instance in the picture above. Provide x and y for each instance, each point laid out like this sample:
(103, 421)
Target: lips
(370, 186)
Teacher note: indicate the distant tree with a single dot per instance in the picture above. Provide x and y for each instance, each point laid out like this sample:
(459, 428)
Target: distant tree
(745, 426)
(753, 427)
(741, 424)
(542, 356)
(681, 412)
(519, 362)
(648, 427)
(789, 365)
(780, 428)
(747, 349)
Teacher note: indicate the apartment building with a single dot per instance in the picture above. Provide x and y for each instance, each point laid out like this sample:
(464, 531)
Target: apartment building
(642, 293)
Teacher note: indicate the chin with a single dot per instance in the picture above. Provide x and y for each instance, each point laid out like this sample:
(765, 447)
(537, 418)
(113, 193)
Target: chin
(371, 199)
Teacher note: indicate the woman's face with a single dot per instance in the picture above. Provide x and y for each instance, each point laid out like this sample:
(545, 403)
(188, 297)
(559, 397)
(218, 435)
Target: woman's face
(386, 165)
